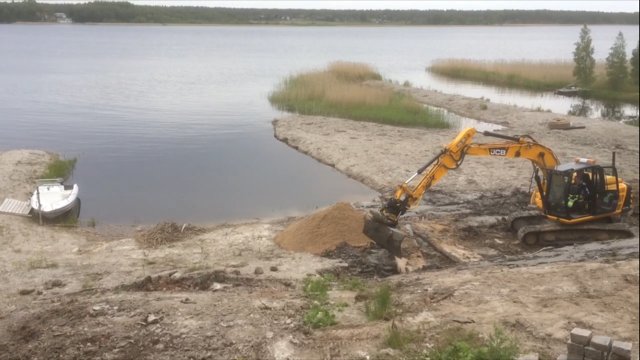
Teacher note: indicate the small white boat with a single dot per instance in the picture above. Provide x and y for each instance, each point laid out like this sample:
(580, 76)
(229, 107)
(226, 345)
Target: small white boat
(52, 198)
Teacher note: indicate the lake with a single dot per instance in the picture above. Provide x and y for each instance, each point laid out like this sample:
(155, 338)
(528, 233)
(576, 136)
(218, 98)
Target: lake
(173, 122)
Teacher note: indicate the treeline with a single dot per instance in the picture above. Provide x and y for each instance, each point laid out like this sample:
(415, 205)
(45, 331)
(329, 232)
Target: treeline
(124, 12)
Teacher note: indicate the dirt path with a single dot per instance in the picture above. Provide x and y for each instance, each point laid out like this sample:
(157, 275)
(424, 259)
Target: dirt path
(230, 292)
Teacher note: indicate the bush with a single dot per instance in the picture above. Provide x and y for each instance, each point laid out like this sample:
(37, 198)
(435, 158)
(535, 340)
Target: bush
(60, 168)
(319, 316)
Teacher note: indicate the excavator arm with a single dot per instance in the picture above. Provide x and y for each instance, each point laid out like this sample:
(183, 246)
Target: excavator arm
(452, 156)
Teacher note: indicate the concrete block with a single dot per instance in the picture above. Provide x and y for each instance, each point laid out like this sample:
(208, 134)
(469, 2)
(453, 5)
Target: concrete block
(593, 354)
(575, 357)
(580, 336)
(622, 348)
(562, 357)
(618, 357)
(602, 343)
(575, 349)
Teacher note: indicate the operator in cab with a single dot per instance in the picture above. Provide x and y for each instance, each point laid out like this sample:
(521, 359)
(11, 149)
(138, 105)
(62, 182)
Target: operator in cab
(580, 193)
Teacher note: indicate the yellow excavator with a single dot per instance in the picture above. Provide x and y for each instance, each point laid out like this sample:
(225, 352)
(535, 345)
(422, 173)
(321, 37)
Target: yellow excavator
(577, 201)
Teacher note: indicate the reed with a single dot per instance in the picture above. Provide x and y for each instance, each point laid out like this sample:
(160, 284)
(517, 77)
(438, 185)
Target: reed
(530, 75)
(341, 91)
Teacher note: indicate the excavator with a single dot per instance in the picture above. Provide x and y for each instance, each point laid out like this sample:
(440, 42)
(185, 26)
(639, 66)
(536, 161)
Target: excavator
(576, 201)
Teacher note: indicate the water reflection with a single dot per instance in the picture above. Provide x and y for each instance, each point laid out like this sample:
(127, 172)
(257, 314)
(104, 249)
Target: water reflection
(581, 109)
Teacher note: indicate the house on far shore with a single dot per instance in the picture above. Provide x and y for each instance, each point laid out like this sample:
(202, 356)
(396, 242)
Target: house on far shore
(62, 18)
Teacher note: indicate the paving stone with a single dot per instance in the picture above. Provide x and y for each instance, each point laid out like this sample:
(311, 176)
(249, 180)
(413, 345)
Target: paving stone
(575, 349)
(621, 348)
(594, 354)
(575, 357)
(580, 336)
(562, 357)
(618, 357)
(602, 343)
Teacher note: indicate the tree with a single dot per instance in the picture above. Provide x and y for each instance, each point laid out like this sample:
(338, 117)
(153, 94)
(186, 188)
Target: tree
(584, 69)
(617, 72)
(634, 64)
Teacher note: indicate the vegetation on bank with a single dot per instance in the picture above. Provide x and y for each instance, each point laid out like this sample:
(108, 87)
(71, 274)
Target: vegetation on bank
(125, 12)
(341, 91)
(534, 76)
(60, 168)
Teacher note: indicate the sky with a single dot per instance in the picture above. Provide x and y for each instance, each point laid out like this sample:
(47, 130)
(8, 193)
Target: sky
(575, 5)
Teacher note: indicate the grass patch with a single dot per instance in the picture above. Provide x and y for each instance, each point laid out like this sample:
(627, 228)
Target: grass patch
(380, 306)
(320, 315)
(351, 283)
(316, 287)
(41, 262)
(460, 344)
(339, 91)
(60, 168)
(398, 338)
(530, 75)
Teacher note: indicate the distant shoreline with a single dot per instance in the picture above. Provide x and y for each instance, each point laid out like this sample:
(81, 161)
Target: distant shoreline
(297, 25)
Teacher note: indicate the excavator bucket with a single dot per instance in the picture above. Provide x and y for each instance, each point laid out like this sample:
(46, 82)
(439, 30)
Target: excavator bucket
(376, 227)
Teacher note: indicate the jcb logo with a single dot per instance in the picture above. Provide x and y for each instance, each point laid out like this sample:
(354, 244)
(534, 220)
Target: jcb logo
(498, 152)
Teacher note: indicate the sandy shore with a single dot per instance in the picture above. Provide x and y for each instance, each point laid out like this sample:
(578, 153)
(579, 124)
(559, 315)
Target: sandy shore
(77, 293)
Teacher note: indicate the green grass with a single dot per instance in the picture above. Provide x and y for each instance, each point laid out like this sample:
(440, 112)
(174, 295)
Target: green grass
(316, 287)
(534, 76)
(320, 315)
(380, 306)
(351, 283)
(460, 344)
(60, 168)
(340, 91)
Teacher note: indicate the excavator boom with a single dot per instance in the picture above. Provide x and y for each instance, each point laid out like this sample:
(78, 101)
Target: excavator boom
(547, 224)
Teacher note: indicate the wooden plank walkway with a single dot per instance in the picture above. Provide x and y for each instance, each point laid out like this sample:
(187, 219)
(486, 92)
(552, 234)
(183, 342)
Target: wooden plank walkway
(15, 207)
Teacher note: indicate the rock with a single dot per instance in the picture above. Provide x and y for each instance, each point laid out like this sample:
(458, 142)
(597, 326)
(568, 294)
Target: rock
(152, 319)
(273, 268)
(269, 334)
(258, 271)
(176, 275)
(217, 286)
(388, 353)
(50, 284)
(26, 291)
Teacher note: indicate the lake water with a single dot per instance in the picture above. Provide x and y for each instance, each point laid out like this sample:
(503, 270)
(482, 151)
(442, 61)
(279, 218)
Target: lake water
(173, 122)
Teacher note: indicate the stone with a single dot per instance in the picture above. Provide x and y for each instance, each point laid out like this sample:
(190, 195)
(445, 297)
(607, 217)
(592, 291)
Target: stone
(575, 357)
(621, 348)
(580, 336)
(258, 271)
(152, 319)
(618, 357)
(26, 291)
(593, 354)
(273, 268)
(601, 343)
(574, 350)
(562, 357)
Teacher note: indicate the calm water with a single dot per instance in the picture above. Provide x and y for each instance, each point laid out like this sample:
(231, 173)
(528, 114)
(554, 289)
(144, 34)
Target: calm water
(172, 122)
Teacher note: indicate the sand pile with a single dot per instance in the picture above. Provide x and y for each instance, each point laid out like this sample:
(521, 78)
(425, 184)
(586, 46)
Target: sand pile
(325, 230)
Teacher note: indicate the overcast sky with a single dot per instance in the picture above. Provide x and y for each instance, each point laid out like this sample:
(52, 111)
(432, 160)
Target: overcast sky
(606, 5)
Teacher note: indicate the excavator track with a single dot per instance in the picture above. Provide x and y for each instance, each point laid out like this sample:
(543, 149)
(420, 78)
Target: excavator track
(534, 229)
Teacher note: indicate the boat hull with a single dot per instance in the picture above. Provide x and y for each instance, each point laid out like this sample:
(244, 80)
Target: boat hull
(52, 200)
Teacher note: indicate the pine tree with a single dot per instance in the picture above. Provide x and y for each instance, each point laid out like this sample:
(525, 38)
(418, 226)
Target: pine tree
(584, 69)
(634, 64)
(617, 72)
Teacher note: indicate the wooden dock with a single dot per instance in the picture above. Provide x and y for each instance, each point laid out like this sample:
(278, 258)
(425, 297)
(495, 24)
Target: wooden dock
(15, 207)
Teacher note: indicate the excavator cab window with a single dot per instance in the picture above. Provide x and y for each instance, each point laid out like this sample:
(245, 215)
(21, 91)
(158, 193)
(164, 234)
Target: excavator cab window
(558, 188)
(607, 190)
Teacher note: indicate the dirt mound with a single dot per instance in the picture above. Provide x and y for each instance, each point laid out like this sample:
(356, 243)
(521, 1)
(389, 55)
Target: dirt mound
(165, 233)
(325, 230)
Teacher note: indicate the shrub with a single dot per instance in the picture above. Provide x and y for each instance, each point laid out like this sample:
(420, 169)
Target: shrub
(60, 168)
(316, 288)
(319, 316)
(469, 346)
